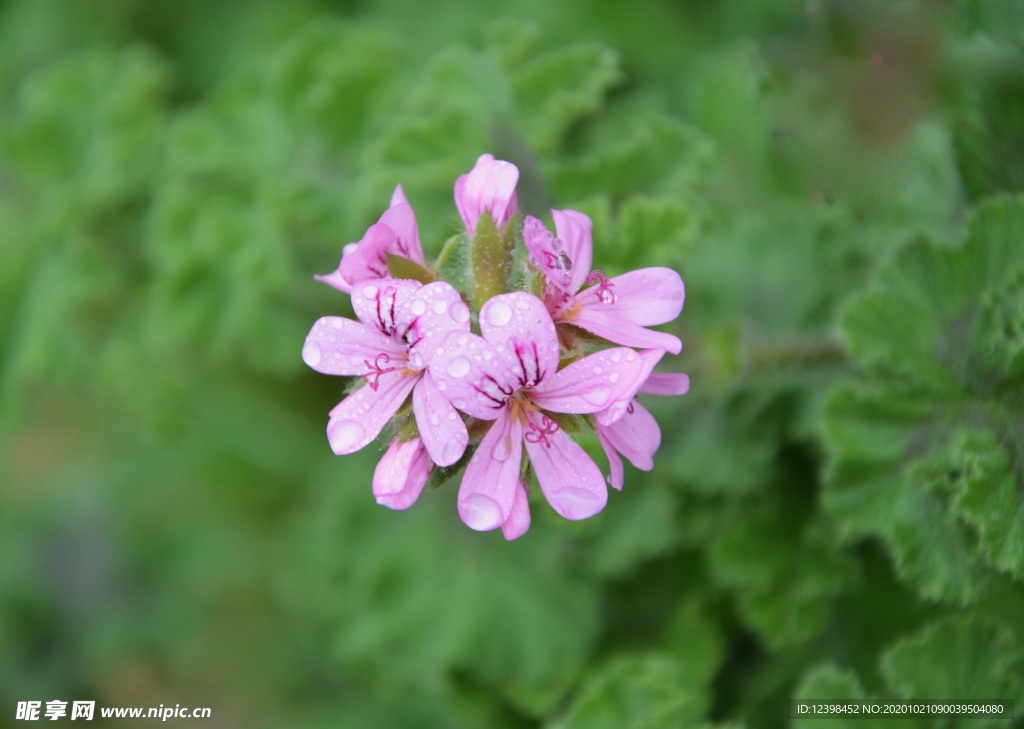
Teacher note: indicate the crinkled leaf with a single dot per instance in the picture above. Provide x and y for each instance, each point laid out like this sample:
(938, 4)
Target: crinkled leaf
(935, 357)
(961, 658)
(639, 692)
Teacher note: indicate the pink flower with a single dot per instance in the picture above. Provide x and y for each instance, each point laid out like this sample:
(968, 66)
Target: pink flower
(400, 325)
(394, 233)
(401, 474)
(634, 432)
(489, 187)
(509, 376)
(618, 309)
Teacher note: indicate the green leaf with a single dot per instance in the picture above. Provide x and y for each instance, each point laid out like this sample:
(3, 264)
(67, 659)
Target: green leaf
(962, 658)
(635, 692)
(829, 683)
(419, 585)
(786, 574)
(938, 394)
(556, 89)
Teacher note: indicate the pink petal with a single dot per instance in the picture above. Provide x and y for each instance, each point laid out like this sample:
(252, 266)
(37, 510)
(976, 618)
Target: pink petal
(666, 383)
(490, 186)
(472, 375)
(360, 417)
(488, 489)
(401, 219)
(646, 297)
(379, 302)
(635, 435)
(398, 197)
(335, 279)
(337, 346)
(616, 408)
(368, 259)
(518, 521)
(427, 317)
(590, 384)
(519, 327)
(442, 430)
(615, 477)
(571, 482)
(574, 230)
(606, 323)
(548, 253)
(401, 474)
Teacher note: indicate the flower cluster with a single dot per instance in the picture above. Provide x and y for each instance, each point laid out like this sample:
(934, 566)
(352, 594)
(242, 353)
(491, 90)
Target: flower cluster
(476, 380)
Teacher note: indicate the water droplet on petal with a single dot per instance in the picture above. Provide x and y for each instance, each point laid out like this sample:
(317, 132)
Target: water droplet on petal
(336, 323)
(418, 307)
(607, 296)
(614, 377)
(416, 361)
(369, 292)
(522, 305)
(597, 395)
(440, 306)
(460, 312)
(451, 451)
(498, 314)
(462, 339)
(616, 355)
(451, 415)
(442, 385)
(563, 263)
(344, 434)
(597, 370)
(480, 512)
(502, 450)
(630, 355)
(458, 367)
(459, 403)
(311, 353)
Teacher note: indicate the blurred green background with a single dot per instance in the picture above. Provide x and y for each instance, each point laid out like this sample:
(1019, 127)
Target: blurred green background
(836, 510)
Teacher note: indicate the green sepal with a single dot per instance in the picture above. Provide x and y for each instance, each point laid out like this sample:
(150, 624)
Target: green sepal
(402, 267)
(490, 260)
(569, 424)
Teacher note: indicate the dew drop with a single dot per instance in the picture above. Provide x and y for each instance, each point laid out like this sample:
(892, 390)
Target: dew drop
(459, 403)
(498, 314)
(460, 313)
(614, 377)
(480, 512)
(369, 292)
(502, 450)
(616, 355)
(462, 339)
(597, 395)
(336, 323)
(451, 451)
(607, 296)
(440, 306)
(522, 305)
(458, 367)
(452, 415)
(418, 307)
(416, 361)
(442, 385)
(563, 263)
(597, 370)
(344, 434)
(311, 353)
